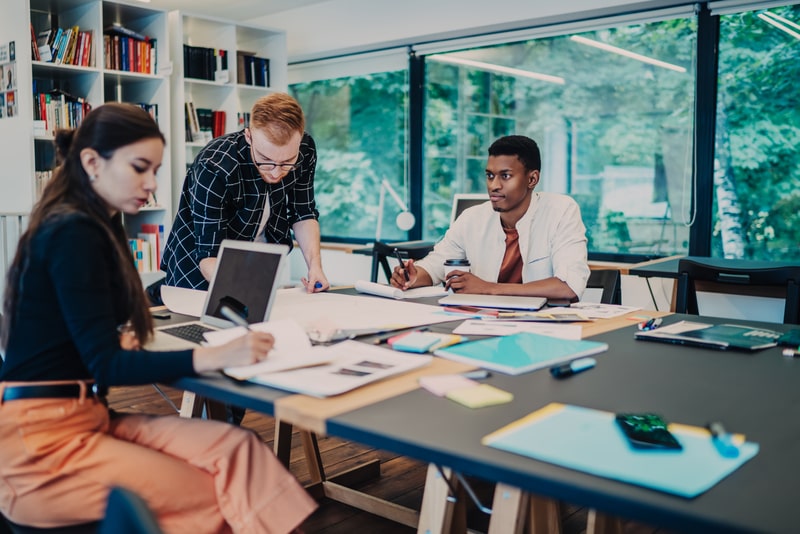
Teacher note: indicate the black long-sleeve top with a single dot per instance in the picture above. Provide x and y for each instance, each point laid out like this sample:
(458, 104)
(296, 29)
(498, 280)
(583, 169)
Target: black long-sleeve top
(70, 302)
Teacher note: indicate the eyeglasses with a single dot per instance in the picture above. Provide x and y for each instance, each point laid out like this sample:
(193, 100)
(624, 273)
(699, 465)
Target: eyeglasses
(269, 166)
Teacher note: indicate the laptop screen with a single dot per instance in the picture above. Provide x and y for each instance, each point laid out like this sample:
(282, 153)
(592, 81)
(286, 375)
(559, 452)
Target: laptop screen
(245, 280)
(462, 201)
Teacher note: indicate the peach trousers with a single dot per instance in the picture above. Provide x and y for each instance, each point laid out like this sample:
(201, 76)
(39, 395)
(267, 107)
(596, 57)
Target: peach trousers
(59, 459)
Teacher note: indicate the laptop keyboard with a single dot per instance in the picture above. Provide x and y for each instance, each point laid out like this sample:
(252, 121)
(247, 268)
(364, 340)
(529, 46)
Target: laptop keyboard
(190, 332)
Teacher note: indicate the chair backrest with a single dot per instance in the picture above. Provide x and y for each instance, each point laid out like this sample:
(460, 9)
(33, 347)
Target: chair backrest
(127, 513)
(381, 251)
(780, 282)
(610, 281)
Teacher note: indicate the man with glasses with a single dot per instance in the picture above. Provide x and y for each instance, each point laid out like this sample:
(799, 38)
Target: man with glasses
(251, 185)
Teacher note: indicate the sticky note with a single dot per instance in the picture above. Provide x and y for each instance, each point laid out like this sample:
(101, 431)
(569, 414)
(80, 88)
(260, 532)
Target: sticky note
(479, 396)
(440, 385)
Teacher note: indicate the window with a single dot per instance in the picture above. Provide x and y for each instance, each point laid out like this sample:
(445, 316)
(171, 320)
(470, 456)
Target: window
(612, 111)
(359, 123)
(757, 165)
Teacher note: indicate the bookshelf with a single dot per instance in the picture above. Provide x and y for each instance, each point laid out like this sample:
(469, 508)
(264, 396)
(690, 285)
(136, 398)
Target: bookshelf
(208, 89)
(68, 84)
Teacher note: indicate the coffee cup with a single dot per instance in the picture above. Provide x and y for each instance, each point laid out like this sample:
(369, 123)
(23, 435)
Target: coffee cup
(453, 264)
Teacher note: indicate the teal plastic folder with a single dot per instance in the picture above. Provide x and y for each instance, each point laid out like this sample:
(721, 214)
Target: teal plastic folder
(519, 353)
(589, 440)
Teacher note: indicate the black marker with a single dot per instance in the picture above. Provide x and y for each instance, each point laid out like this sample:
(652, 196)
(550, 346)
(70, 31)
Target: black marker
(573, 367)
(402, 265)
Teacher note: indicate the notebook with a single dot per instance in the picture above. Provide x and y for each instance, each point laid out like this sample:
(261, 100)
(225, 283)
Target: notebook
(494, 301)
(720, 336)
(245, 280)
(519, 353)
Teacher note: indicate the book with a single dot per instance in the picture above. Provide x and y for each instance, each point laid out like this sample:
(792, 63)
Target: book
(590, 441)
(388, 291)
(719, 336)
(118, 29)
(520, 353)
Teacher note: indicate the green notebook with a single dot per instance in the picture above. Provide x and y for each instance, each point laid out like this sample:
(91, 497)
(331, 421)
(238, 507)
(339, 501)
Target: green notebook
(519, 353)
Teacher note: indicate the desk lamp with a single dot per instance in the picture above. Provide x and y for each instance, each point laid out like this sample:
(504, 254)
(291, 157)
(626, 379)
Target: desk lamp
(405, 219)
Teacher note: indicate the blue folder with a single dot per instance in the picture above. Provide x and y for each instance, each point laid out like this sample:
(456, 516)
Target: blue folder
(519, 353)
(590, 441)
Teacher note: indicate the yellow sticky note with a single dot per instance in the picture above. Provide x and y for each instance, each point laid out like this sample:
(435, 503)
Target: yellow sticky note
(479, 396)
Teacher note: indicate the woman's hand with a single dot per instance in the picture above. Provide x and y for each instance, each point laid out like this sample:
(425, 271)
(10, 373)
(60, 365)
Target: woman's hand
(245, 350)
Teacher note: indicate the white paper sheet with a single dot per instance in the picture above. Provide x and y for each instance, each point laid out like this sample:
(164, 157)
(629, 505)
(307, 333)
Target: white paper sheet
(593, 310)
(478, 327)
(184, 301)
(292, 348)
(386, 290)
(323, 314)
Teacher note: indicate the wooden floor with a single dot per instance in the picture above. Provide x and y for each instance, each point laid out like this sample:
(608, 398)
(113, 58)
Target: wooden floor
(401, 479)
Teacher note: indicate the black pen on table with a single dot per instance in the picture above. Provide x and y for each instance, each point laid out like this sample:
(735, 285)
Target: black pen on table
(234, 317)
(402, 265)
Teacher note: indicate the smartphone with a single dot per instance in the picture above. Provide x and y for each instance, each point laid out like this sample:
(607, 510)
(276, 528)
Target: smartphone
(647, 431)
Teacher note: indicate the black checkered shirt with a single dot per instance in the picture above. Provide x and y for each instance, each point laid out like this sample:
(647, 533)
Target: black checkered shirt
(223, 198)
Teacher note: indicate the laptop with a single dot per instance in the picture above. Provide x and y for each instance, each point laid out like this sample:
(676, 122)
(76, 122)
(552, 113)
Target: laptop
(245, 280)
(462, 201)
(494, 301)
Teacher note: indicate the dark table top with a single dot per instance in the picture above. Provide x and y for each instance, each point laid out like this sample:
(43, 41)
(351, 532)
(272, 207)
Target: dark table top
(755, 394)
(668, 267)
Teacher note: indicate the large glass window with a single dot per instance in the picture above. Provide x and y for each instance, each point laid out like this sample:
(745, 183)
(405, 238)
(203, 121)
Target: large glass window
(359, 123)
(612, 111)
(757, 162)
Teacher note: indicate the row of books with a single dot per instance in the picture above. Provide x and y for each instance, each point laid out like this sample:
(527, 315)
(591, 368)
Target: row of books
(40, 180)
(147, 247)
(203, 63)
(56, 109)
(252, 70)
(152, 109)
(129, 54)
(243, 120)
(203, 124)
(64, 46)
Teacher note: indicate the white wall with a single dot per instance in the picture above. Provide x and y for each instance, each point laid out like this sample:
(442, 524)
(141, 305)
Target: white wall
(345, 26)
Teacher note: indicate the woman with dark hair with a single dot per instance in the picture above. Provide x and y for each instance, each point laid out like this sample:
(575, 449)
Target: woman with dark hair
(71, 285)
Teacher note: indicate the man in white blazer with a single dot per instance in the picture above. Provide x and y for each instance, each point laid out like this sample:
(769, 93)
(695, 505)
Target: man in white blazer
(520, 242)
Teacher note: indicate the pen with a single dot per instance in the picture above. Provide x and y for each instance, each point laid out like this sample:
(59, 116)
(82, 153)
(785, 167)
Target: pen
(573, 367)
(234, 317)
(402, 265)
(722, 440)
(651, 324)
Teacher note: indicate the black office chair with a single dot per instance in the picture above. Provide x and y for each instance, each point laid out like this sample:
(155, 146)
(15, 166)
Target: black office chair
(14, 528)
(381, 251)
(610, 281)
(127, 513)
(781, 282)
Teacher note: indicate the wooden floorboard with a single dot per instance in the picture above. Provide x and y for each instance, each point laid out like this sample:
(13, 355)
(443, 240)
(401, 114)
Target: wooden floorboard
(402, 479)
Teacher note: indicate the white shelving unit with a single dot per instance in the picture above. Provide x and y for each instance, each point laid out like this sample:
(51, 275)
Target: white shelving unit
(33, 151)
(231, 96)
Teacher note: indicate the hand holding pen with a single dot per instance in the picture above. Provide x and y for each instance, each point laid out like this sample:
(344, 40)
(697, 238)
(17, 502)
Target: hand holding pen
(405, 274)
(243, 350)
(402, 265)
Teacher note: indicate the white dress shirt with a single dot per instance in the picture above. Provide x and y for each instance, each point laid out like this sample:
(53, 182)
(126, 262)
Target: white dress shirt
(552, 242)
